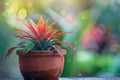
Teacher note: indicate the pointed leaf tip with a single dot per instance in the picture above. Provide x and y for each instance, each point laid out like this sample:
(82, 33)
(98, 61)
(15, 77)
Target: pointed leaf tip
(41, 21)
(69, 45)
(51, 25)
(10, 51)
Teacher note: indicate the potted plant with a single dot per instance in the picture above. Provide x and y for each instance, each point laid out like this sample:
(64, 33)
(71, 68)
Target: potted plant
(40, 56)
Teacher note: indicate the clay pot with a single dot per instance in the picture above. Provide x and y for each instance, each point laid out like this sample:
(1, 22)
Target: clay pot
(41, 65)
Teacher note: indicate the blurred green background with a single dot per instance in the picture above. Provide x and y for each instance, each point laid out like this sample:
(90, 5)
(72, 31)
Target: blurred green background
(94, 24)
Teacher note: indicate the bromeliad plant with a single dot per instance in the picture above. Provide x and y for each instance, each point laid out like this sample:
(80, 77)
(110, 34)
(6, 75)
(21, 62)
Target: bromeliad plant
(41, 37)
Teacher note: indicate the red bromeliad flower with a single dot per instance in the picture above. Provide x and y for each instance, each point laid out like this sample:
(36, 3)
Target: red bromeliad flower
(92, 39)
(42, 37)
(98, 38)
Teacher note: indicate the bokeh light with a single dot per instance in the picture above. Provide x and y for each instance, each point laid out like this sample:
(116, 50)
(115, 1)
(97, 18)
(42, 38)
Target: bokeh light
(22, 13)
(29, 4)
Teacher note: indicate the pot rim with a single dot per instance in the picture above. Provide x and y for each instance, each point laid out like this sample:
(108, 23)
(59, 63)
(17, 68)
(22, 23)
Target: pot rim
(41, 53)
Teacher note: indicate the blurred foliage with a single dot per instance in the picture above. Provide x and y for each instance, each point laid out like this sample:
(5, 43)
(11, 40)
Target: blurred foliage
(76, 16)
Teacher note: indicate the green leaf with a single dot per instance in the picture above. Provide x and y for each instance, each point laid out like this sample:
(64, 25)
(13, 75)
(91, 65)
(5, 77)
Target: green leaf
(28, 48)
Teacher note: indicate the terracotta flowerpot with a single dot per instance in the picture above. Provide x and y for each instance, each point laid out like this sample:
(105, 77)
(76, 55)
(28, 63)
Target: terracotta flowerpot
(41, 65)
